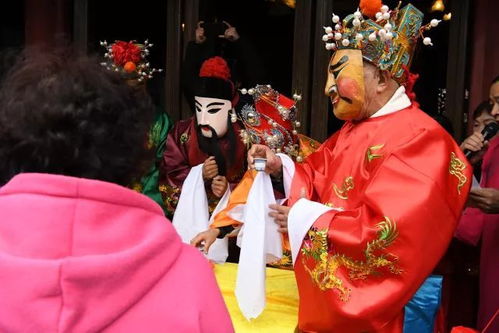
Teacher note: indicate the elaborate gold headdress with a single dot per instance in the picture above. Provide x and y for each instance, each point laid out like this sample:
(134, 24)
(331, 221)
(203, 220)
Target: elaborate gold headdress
(387, 40)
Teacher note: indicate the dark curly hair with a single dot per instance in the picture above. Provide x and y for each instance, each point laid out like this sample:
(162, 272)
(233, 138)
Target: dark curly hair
(67, 115)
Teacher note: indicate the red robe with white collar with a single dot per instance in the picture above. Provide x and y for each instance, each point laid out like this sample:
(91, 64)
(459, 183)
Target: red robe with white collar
(398, 184)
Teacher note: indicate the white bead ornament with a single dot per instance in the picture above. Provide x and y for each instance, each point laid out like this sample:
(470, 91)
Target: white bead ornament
(330, 36)
(251, 91)
(336, 18)
(389, 35)
(388, 27)
(357, 14)
(434, 22)
(330, 46)
(359, 37)
(372, 37)
(427, 41)
(382, 32)
(384, 8)
(345, 42)
(337, 27)
(328, 30)
(325, 38)
(379, 15)
(386, 16)
(337, 36)
(356, 22)
(244, 91)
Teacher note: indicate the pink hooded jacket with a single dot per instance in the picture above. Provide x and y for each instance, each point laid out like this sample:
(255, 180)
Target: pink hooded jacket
(80, 255)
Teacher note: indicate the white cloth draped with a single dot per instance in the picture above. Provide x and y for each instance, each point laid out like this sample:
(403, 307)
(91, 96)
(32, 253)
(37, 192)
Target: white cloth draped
(192, 216)
(260, 243)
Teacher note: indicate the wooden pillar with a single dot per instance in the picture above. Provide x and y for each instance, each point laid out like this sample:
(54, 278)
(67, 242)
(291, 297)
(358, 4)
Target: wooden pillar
(182, 17)
(319, 107)
(80, 25)
(173, 58)
(457, 68)
(47, 22)
(302, 60)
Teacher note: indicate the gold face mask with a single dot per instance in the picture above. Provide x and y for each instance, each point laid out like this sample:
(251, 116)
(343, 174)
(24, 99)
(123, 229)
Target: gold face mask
(345, 84)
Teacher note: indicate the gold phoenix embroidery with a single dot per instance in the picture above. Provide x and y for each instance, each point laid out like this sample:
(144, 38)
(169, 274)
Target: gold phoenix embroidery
(456, 168)
(323, 274)
(370, 155)
(347, 186)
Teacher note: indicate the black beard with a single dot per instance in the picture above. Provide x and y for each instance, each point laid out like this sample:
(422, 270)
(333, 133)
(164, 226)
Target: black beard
(211, 147)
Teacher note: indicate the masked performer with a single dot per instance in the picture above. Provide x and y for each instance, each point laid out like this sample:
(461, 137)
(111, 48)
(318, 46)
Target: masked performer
(382, 196)
(204, 157)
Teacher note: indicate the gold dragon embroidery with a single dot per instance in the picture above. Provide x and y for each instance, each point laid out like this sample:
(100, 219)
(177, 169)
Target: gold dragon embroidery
(370, 155)
(323, 274)
(346, 187)
(456, 168)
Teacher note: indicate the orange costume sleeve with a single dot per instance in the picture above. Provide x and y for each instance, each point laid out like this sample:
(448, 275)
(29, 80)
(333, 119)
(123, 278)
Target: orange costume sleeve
(237, 197)
(398, 203)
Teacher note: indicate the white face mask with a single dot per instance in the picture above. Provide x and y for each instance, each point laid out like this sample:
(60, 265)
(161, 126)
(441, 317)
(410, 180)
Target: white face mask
(214, 113)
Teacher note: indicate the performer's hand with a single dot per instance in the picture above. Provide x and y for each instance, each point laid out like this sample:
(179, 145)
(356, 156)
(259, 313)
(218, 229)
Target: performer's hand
(231, 32)
(219, 186)
(475, 142)
(486, 199)
(280, 215)
(200, 37)
(274, 163)
(210, 168)
(204, 239)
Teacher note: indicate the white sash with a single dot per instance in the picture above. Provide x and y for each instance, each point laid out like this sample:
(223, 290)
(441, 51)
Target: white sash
(192, 216)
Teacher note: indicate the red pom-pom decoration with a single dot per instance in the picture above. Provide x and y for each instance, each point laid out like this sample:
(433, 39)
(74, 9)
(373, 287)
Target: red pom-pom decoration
(215, 67)
(370, 7)
(124, 52)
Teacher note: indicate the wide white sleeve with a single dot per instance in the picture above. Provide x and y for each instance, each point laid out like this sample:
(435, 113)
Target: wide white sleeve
(288, 172)
(301, 217)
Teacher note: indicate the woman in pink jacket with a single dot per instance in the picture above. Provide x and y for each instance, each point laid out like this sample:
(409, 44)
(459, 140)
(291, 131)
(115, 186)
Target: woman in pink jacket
(79, 252)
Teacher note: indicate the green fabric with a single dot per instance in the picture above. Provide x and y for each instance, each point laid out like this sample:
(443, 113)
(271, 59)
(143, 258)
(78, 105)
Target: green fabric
(157, 140)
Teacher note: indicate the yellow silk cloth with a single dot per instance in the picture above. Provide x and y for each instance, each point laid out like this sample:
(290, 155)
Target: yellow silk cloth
(281, 310)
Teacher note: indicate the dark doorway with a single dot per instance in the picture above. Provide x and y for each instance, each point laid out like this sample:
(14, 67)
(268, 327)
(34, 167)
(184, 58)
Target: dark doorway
(268, 27)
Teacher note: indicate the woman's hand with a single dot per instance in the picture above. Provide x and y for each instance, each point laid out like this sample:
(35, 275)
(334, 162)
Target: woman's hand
(205, 239)
(475, 143)
(486, 199)
(200, 37)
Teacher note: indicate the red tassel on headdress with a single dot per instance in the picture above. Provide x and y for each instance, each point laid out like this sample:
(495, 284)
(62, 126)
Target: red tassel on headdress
(215, 67)
(409, 84)
(370, 7)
